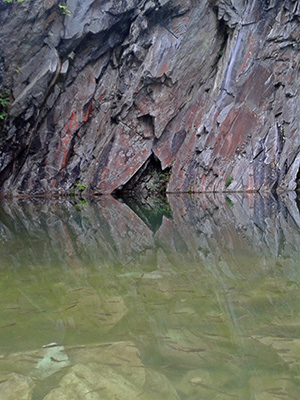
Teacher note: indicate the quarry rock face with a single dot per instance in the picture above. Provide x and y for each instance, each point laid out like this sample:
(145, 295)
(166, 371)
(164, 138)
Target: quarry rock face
(105, 94)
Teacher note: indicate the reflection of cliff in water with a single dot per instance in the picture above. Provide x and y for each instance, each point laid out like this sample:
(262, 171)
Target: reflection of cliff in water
(207, 228)
(206, 302)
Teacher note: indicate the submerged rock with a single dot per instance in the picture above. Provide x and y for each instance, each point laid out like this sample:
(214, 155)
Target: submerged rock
(54, 359)
(287, 348)
(110, 371)
(215, 313)
(35, 364)
(123, 357)
(158, 386)
(92, 383)
(86, 307)
(208, 383)
(16, 387)
(270, 387)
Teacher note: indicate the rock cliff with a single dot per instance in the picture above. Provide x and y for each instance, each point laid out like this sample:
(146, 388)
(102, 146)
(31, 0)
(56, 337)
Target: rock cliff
(125, 96)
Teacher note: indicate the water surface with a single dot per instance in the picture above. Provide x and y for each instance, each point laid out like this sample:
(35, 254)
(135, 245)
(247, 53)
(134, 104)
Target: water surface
(195, 299)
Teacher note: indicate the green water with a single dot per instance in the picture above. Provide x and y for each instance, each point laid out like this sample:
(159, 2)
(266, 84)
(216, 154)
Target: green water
(197, 299)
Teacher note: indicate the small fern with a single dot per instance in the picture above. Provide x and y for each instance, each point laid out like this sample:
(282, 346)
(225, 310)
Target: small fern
(63, 9)
(228, 181)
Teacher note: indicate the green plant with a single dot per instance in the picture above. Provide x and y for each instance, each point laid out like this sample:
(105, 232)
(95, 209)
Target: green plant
(160, 206)
(228, 181)
(5, 99)
(229, 202)
(63, 9)
(153, 186)
(78, 187)
(191, 188)
(81, 204)
(73, 193)
(159, 181)
(81, 186)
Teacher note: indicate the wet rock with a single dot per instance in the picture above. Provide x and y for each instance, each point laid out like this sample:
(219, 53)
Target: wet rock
(123, 356)
(16, 387)
(54, 359)
(287, 348)
(126, 228)
(87, 305)
(158, 383)
(184, 346)
(207, 306)
(207, 383)
(36, 364)
(269, 387)
(92, 382)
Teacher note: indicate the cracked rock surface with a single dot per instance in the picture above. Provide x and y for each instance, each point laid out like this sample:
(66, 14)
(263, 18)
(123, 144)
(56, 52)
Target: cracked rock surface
(102, 89)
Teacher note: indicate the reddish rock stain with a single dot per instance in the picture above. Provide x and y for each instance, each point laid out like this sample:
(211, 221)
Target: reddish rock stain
(249, 54)
(64, 144)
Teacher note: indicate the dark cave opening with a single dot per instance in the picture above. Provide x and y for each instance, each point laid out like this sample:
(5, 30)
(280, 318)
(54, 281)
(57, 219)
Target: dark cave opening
(145, 193)
(149, 181)
(298, 182)
(298, 189)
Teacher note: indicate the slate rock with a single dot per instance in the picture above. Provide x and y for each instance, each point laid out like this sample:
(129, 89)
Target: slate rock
(209, 88)
(16, 387)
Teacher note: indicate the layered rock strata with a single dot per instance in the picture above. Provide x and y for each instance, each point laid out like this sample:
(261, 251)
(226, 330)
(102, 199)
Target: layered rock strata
(106, 94)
